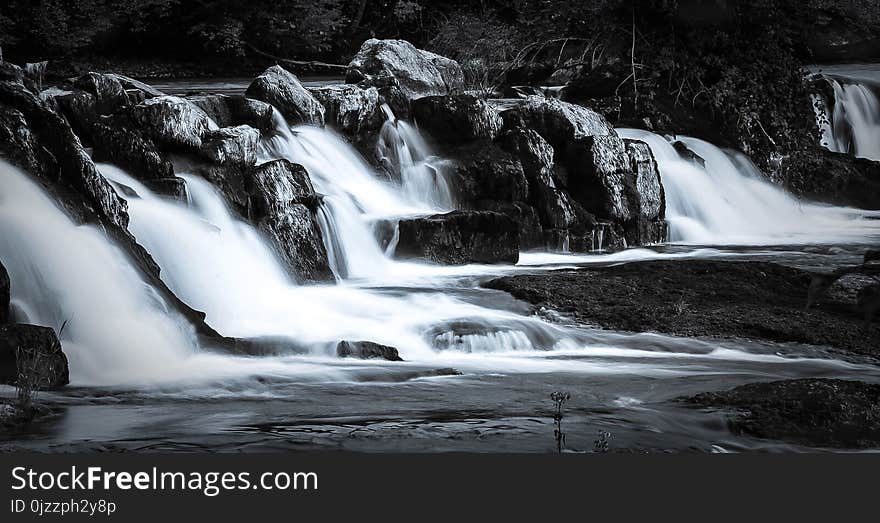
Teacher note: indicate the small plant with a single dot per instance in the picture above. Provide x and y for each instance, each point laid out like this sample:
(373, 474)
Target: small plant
(30, 364)
(603, 442)
(559, 398)
(680, 306)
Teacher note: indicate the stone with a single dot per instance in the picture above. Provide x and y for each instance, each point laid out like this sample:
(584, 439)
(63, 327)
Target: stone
(366, 350)
(282, 89)
(460, 237)
(35, 352)
(172, 121)
(457, 118)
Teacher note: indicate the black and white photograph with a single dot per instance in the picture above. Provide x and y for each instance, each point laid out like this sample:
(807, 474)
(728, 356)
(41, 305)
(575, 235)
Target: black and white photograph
(554, 227)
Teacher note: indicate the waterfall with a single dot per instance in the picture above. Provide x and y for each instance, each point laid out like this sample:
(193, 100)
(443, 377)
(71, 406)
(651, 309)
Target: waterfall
(853, 124)
(117, 329)
(405, 151)
(354, 197)
(728, 201)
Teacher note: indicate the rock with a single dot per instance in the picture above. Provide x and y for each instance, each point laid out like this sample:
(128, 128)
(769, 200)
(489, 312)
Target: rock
(172, 121)
(41, 141)
(554, 206)
(460, 237)
(484, 172)
(232, 145)
(247, 111)
(598, 171)
(216, 106)
(5, 295)
(557, 121)
(817, 412)
(830, 177)
(132, 84)
(366, 350)
(283, 205)
(173, 187)
(9, 72)
(646, 195)
(688, 154)
(419, 73)
(109, 94)
(349, 108)
(80, 109)
(45, 364)
(118, 141)
(456, 118)
(531, 233)
(698, 298)
(282, 89)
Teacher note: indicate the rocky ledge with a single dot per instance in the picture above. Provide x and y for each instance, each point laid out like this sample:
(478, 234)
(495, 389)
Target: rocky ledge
(755, 300)
(814, 412)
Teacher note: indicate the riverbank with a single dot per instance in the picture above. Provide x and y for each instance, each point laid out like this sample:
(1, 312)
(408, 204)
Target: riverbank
(702, 298)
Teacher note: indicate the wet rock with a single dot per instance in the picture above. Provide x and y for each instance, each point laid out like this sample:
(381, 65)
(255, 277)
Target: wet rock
(80, 109)
(283, 205)
(554, 206)
(366, 350)
(752, 300)
(247, 111)
(5, 293)
(109, 94)
(9, 72)
(350, 109)
(216, 106)
(485, 172)
(418, 73)
(460, 237)
(231, 145)
(836, 178)
(119, 142)
(173, 187)
(282, 89)
(131, 84)
(456, 118)
(688, 154)
(34, 351)
(557, 121)
(531, 232)
(646, 195)
(811, 411)
(42, 142)
(598, 171)
(172, 121)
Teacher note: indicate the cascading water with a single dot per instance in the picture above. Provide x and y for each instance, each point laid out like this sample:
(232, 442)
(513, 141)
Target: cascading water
(354, 197)
(402, 148)
(116, 327)
(727, 201)
(853, 124)
(220, 265)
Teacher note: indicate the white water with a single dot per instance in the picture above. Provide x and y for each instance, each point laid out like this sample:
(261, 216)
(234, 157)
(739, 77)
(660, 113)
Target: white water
(220, 265)
(117, 328)
(354, 197)
(728, 202)
(854, 121)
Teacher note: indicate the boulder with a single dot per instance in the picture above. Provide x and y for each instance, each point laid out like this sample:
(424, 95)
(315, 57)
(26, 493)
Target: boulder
(215, 106)
(80, 109)
(283, 204)
(366, 350)
(460, 237)
(247, 111)
(173, 187)
(835, 178)
(231, 145)
(485, 172)
(418, 73)
(173, 121)
(34, 352)
(349, 108)
(554, 206)
(818, 412)
(130, 84)
(109, 94)
(456, 118)
(5, 295)
(282, 89)
(646, 194)
(598, 172)
(557, 121)
(116, 140)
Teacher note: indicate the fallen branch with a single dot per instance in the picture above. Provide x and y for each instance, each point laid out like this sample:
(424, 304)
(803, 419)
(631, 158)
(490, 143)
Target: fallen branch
(305, 64)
